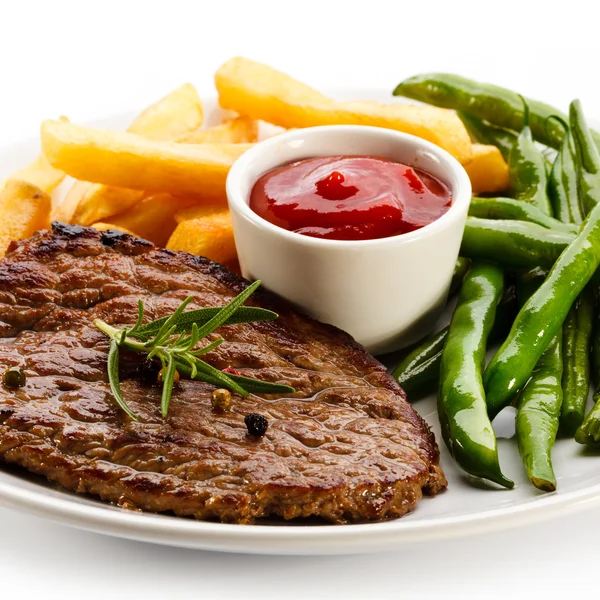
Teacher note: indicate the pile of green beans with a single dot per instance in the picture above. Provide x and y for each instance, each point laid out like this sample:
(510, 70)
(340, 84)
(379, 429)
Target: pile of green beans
(546, 234)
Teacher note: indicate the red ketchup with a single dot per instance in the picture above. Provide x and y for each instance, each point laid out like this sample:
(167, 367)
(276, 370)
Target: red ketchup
(349, 197)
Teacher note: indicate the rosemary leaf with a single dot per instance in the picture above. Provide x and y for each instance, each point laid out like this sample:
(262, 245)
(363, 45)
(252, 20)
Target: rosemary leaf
(193, 339)
(223, 379)
(201, 316)
(208, 348)
(169, 322)
(160, 339)
(168, 382)
(228, 310)
(209, 374)
(140, 318)
(256, 386)
(113, 378)
(186, 369)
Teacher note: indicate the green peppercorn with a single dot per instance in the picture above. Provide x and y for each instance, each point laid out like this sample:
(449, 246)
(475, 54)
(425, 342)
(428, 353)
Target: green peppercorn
(161, 375)
(221, 399)
(14, 377)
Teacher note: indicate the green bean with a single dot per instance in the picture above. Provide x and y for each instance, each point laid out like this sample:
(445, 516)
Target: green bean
(460, 270)
(538, 404)
(587, 161)
(538, 409)
(577, 331)
(419, 372)
(595, 354)
(484, 133)
(527, 169)
(509, 209)
(497, 105)
(586, 157)
(542, 316)
(466, 428)
(513, 244)
(589, 431)
(562, 182)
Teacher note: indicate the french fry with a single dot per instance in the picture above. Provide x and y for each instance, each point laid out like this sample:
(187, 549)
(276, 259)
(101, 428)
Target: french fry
(205, 232)
(175, 115)
(154, 217)
(25, 208)
(487, 170)
(127, 160)
(86, 202)
(260, 92)
(241, 130)
(39, 173)
(108, 226)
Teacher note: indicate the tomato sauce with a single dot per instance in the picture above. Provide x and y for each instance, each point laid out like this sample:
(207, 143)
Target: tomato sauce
(349, 197)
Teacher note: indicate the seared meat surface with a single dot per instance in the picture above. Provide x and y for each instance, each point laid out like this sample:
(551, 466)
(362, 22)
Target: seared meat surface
(346, 447)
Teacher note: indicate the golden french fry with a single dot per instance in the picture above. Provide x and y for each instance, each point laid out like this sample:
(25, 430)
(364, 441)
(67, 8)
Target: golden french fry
(107, 226)
(126, 160)
(154, 217)
(487, 170)
(175, 115)
(86, 202)
(260, 92)
(24, 208)
(64, 211)
(39, 173)
(205, 232)
(241, 130)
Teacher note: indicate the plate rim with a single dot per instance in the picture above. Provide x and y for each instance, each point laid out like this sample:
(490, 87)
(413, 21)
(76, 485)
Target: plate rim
(266, 539)
(289, 540)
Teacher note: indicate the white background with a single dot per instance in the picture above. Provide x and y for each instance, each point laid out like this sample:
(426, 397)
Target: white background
(90, 59)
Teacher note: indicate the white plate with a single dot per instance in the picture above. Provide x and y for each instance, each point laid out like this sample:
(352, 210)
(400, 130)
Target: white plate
(466, 508)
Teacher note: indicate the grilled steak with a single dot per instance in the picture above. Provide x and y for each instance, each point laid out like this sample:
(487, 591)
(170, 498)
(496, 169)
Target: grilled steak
(346, 447)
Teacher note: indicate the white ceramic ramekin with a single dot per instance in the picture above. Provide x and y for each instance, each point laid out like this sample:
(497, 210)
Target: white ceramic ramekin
(388, 292)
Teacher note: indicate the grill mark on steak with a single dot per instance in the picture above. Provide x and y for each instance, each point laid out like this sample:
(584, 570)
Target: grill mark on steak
(346, 446)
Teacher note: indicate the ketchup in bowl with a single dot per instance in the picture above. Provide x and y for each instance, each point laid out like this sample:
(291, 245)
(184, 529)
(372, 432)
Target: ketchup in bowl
(349, 197)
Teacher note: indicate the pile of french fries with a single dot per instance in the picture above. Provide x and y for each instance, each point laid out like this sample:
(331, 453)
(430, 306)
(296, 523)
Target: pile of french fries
(164, 178)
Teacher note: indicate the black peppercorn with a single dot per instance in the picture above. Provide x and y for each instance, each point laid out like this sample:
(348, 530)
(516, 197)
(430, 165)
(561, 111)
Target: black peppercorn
(256, 424)
(14, 377)
(148, 371)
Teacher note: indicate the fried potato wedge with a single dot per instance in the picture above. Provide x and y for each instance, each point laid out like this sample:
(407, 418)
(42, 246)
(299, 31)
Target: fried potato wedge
(487, 170)
(131, 161)
(175, 115)
(206, 232)
(111, 226)
(154, 217)
(261, 92)
(241, 130)
(25, 208)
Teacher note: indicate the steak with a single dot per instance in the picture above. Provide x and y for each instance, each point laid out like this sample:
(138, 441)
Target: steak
(345, 447)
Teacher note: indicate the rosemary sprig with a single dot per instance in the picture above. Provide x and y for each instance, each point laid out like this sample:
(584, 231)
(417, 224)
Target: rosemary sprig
(174, 342)
(244, 314)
